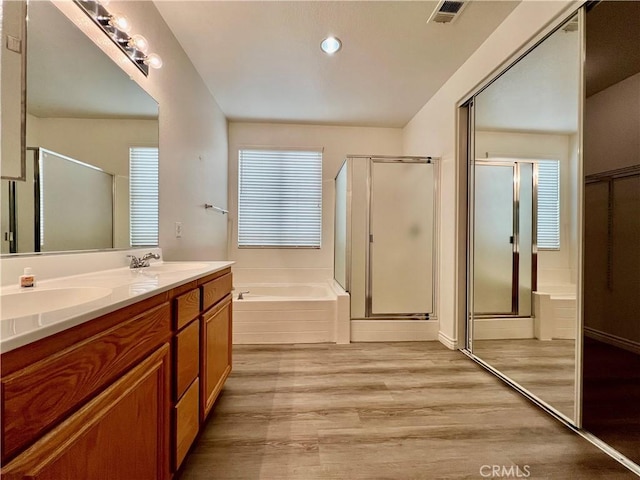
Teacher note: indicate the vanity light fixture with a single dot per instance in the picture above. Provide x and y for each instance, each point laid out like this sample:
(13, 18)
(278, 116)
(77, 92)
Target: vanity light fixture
(120, 22)
(117, 27)
(331, 45)
(153, 60)
(138, 42)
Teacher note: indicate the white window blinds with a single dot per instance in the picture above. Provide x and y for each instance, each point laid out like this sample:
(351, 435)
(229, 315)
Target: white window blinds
(548, 205)
(279, 198)
(143, 195)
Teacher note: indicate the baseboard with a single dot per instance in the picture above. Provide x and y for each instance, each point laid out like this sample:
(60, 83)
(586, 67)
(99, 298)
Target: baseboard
(447, 341)
(613, 340)
(564, 333)
(503, 328)
(394, 330)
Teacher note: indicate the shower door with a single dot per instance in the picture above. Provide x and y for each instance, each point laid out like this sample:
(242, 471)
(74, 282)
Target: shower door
(401, 232)
(494, 265)
(504, 238)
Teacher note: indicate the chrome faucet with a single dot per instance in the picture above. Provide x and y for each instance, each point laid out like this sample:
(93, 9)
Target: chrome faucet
(241, 295)
(142, 261)
(149, 255)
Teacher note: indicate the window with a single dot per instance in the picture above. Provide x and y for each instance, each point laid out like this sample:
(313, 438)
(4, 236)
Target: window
(279, 198)
(143, 196)
(548, 205)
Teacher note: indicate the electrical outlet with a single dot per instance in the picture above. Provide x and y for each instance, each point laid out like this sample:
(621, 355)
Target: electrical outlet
(178, 229)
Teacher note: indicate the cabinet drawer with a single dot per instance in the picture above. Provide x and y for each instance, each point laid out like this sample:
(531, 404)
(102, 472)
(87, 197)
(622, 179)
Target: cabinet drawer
(186, 307)
(187, 357)
(38, 397)
(187, 424)
(215, 290)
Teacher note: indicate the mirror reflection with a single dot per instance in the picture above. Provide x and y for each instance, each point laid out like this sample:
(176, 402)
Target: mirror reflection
(525, 231)
(611, 333)
(87, 125)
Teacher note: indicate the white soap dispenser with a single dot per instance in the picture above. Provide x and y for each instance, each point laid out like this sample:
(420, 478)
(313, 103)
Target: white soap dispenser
(27, 279)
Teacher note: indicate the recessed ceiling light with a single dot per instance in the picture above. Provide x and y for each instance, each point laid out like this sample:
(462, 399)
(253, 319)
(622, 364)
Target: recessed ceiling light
(331, 45)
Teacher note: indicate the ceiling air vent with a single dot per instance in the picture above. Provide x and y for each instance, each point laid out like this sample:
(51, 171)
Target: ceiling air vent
(447, 11)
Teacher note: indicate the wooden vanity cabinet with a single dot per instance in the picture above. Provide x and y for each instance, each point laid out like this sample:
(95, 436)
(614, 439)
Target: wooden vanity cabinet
(186, 384)
(120, 434)
(122, 396)
(202, 358)
(91, 401)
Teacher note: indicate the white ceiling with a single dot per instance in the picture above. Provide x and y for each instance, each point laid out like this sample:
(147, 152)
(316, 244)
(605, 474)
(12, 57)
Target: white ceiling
(262, 61)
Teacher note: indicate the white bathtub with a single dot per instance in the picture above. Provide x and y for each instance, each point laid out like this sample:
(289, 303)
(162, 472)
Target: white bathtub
(285, 313)
(555, 310)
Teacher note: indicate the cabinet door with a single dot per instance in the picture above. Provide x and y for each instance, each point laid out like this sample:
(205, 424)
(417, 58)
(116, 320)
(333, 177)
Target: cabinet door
(39, 397)
(123, 433)
(216, 353)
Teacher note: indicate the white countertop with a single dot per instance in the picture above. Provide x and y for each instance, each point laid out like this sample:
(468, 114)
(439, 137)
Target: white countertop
(127, 287)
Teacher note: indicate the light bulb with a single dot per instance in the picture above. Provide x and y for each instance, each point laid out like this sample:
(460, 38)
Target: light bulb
(140, 43)
(331, 45)
(153, 60)
(120, 22)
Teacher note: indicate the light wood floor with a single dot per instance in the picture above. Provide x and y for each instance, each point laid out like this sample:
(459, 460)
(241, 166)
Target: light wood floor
(380, 411)
(545, 368)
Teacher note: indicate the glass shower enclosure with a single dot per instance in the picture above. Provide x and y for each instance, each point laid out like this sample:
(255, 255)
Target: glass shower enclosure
(505, 238)
(385, 227)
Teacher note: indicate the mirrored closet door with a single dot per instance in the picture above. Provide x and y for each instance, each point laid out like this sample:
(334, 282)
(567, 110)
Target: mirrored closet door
(523, 242)
(611, 333)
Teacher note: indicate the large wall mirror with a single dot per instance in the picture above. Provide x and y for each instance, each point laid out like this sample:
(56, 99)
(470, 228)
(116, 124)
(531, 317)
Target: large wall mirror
(523, 183)
(87, 124)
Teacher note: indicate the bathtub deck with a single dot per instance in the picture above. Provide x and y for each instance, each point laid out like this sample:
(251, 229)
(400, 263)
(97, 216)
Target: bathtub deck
(306, 324)
(275, 315)
(382, 410)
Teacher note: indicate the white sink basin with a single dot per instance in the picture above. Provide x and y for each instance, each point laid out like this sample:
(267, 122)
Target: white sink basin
(170, 267)
(32, 302)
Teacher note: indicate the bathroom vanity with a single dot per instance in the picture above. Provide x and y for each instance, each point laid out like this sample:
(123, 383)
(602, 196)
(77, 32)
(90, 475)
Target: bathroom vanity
(125, 386)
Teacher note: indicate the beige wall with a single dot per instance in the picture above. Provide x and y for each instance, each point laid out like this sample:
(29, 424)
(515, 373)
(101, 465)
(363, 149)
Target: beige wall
(612, 127)
(303, 264)
(192, 132)
(433, 130)
(99, 142)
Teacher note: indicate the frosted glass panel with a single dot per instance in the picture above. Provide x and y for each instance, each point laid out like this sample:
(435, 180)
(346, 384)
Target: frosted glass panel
(340, 240)
(359, 238)
(493, 254)
(525, 220)
(77, 205)
(402, 229)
